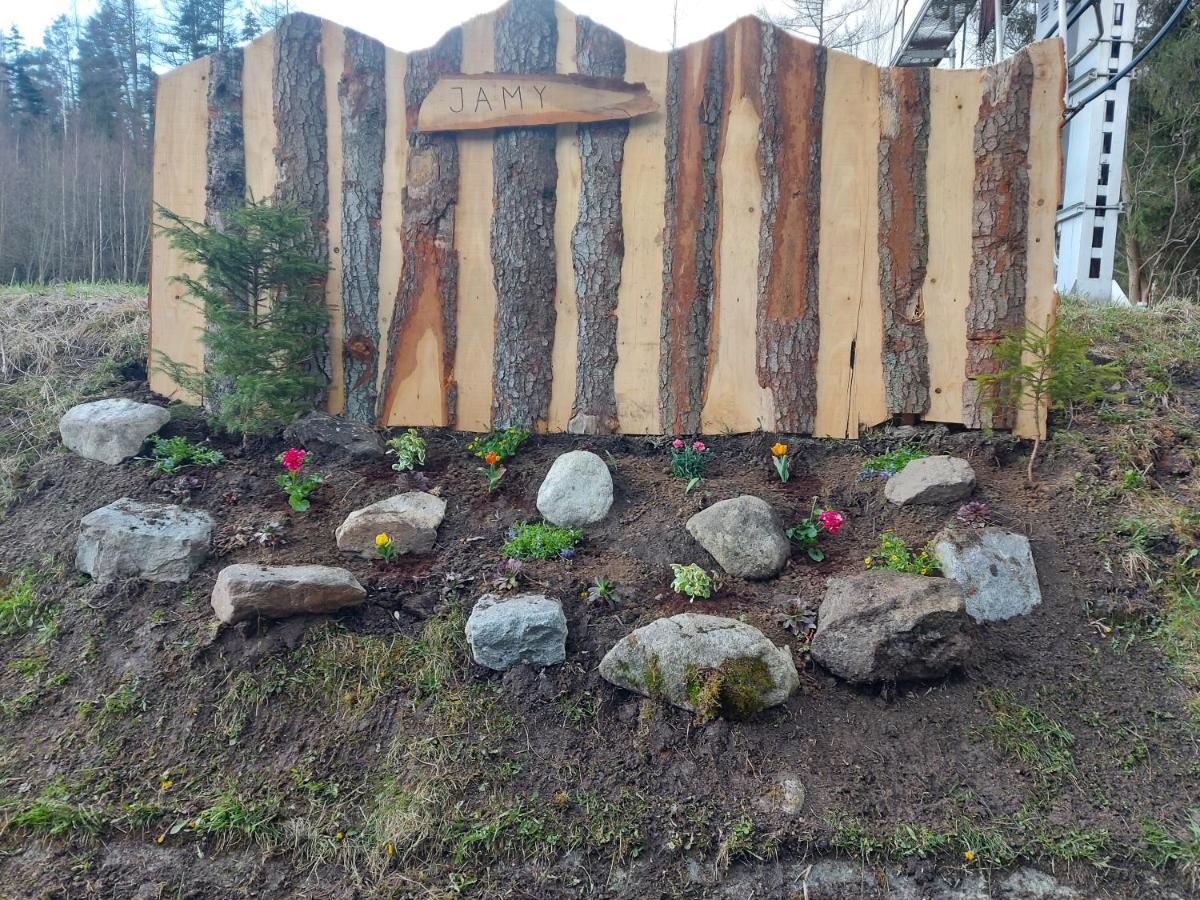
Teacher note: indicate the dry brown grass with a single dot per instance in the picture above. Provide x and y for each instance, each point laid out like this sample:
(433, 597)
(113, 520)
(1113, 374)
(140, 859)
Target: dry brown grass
(59, 344)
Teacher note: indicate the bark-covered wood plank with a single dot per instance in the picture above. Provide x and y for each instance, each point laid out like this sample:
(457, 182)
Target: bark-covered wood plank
(999, 228)
(695, 108)
(301, 164)
(525, 179)
(904, 236)
(361, 96)
(792, 87)
(597, 242)
(427, 296)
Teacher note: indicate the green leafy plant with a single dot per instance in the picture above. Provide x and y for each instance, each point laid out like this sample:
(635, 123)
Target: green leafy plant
(409, 450)
(779, 456)
(508, 576)
(1043, 368)
(885, 465)
(172, 454)
(541, 541)
(385, 547)
(294, 482)
(894, 554)
(807, 532)
(602, 591)
(689, 461)
(692, 581)
(494, 448)
(260, 289)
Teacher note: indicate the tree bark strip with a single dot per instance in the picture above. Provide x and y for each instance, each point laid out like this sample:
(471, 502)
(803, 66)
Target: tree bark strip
(361, 96)
(904, 236)
(525, 179)
(999, 232)
(695, 109)
(301, 166)
(598, 241)
(791, 82)
(427, 295)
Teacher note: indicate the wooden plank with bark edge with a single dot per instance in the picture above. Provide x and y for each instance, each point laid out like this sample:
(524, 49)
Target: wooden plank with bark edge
(1000, 220)
(792, 78)
(695, 109)
(362, 104)
(849, 367)
(732, 397)
(597, 242)
(475, 102)
(1045, 184)
(333, 62)
(179, 177)
(904, 236)
(525, 175)
(301, 152)
(391, 252)
(643, 217)
(258, 115)
(953, 105)
(563, 367)
(422, 340)
(472, 238)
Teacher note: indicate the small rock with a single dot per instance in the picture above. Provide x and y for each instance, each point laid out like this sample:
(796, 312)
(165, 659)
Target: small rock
(931, 479)
(330, 437)
(151, 541)
(522, 628)
(1030, 884)
(1174, 462)
(994, 568)
(744, 536)
(110, 431)
(275, 592)
(577, 491)
(411, 520)
(677, 658)
(891, 626)
(784, 795)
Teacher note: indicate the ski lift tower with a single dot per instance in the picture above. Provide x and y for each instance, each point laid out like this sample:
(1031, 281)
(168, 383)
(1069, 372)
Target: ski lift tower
(1099, 42)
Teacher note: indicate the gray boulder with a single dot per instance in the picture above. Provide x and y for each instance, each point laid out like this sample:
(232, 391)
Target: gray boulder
(411, 520)
(274, 592)
(707, 664)
(995, 569)
(522, 628)
(577, 491)
(932, 479)
(151, 541)
(332, 437)
(891, 626)
(744, 536)
(110, 431)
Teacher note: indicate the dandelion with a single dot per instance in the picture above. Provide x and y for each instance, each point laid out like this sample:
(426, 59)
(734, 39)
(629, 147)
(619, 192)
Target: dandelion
(340, 835)
(969, 855)
(867, 560)
(390, 848)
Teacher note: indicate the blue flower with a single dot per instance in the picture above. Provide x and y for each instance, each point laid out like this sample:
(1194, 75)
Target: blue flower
(566, 553)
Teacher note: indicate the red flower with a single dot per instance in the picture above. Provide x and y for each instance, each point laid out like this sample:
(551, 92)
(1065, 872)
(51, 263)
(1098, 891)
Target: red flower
(677, 444)
(698, 447)
(831, 520)
(293, 459)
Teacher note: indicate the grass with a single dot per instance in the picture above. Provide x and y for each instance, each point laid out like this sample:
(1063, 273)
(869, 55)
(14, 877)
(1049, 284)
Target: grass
(22, 609)
(1041, 743)
(540, 541)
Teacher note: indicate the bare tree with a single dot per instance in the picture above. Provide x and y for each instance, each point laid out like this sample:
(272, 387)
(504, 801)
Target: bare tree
(855, 26)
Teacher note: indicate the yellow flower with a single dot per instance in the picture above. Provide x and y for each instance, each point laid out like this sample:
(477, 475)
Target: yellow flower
(779, 449)
(969, 855)
(391, 848)
(867, 560)
(382, 539)
(340, 835)
(160, 839)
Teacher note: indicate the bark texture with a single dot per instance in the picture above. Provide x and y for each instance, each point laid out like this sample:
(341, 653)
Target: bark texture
(597, 242)
(525, 178)
(361, 97)
(791, 82)
(301, 164)
(695, 109)
(904, 236)
(999, 232)
(427, 296)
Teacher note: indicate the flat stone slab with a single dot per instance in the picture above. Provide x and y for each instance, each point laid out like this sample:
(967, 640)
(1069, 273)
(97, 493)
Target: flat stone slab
(523, 628)
(110, 431)
(577, 491)
(932, 480)
(995, 569)
(150, 541)
(275, 592)
(744, 536)
(674, 658)
(411, 520)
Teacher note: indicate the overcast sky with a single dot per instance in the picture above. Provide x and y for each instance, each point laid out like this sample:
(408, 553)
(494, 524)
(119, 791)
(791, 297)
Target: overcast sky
(413, 24)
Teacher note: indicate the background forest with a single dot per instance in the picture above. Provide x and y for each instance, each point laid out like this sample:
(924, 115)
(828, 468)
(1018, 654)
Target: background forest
(77, 125)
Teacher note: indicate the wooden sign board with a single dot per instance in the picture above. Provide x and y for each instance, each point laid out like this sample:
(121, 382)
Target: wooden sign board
(472, 102)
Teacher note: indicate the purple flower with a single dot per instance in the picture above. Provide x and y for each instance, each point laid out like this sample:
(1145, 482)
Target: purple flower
(566, 553)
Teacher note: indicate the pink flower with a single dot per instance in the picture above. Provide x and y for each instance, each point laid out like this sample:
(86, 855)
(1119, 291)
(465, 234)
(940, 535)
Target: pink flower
(293, 459)
(831, 520)
(677, 444)
(698, 447)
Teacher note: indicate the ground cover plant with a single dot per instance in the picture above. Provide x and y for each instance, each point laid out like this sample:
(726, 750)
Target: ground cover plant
(144, 749)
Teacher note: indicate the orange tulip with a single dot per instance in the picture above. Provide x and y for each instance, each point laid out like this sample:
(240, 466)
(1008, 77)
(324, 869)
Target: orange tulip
(779, 450)
(491, 457)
